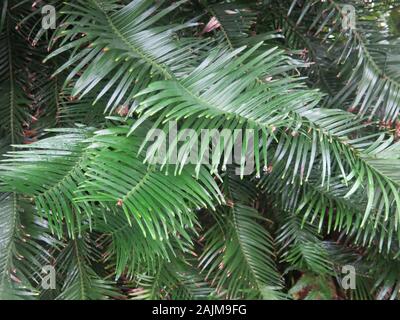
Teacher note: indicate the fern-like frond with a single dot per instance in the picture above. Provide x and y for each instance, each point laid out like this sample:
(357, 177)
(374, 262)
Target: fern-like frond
(302, 248)
(130, 252)
(239, 255)
(124, 51)
(173, 280)
(367, 51)
(76, 263)
(48, 169)
(25, 245)
(120, 179)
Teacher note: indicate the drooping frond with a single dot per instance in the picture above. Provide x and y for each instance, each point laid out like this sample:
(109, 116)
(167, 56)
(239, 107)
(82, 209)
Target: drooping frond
(8, 223)
(302, 248)
(76, 263)
(231, 100)
(236, 22)
(131, 252)
(173, 280)
(123, 51)
(250, 149)
(24, 248)
(13, 99)
(51, 171)
(364, 45)
(72, 165)
(120, 178)
(239, 256)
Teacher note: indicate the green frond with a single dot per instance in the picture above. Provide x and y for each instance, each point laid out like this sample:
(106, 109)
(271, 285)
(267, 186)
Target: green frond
(219, 149)
(76, 262)
(239, 256)
(302, 248)
(24, 248)
(139, 190)
(173, 280)
(50, 171)
(366, 52)
(13, 99)
(130, 252)
(8, 223)
(123, 52)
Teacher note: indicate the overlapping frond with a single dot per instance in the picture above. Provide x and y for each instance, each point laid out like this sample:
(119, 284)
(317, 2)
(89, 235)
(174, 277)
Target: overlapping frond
(13, 98)
(364, 44)
(239, 256)
(25, 243)
(123, 52)
(129, 251)
(51, 171)
(76, 263)
(120, 178)
(174, 280)
(269, 188)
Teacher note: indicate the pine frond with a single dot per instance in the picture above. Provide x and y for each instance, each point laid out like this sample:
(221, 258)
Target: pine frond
(81, 282)
(302, 248)
(50, 171)
(25, 244)
(130, 252)
(124, 51)
(13, 99)
(173, 280)
(366, 50)
(139, 190)
(239, 256)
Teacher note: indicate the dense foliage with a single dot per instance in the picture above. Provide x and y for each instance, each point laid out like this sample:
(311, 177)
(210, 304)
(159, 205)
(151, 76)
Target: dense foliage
(79, 192)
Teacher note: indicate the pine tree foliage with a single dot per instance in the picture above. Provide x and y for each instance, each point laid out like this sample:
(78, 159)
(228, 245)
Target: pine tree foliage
(80, 190)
